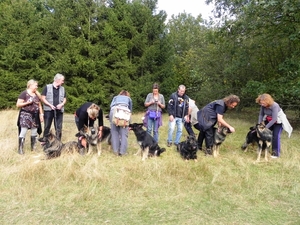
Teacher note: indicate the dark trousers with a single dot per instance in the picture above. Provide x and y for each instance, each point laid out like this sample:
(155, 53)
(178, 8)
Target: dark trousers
(208, 135)
(57, 116)
(188, 128)
(276, 131)
(200, 136)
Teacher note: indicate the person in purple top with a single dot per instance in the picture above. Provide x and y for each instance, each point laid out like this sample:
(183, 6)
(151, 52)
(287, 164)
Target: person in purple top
(268, 113)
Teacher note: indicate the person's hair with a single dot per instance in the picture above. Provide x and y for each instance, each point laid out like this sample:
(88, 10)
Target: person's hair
(123, 92)
(30, 82)
(266, 98)
(181, 86)
(155, 86)
(231, 99)
(58, 76)
(93, 111)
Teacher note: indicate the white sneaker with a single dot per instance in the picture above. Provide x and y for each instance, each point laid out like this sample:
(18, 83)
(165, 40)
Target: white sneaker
(274, 156)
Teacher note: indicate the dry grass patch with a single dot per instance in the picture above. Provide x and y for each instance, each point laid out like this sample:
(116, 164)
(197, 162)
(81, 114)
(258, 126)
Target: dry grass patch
(73, 189)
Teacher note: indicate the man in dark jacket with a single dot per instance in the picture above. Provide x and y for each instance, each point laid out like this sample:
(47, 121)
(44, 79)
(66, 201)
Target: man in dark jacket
(211, 114)
(178, 107)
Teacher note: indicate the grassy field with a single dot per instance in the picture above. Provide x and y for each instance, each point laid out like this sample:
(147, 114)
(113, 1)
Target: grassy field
(76, 189)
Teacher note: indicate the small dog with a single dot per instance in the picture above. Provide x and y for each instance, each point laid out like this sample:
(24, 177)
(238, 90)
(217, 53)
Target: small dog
(219, 137)
(148, 146)
(264, 140)
(53, 147)
(91, 136)
(251, 139)
(188, 148)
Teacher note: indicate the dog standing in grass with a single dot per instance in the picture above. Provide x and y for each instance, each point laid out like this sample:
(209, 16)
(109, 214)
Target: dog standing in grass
(219, 137)
(92, 139)
(188, 148)
(264, 140)
(262, 137)
(251, 139)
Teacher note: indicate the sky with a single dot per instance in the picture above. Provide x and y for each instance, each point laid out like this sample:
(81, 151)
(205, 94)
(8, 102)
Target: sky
(194, 7)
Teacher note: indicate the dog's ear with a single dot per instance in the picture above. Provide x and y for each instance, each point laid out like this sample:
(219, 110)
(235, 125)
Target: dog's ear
(140, 124)
(252, 128)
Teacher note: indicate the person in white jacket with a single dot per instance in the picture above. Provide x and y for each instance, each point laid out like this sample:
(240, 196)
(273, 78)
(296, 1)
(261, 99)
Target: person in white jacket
(274, 118)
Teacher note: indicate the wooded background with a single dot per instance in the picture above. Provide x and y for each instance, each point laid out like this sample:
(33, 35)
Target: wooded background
(102, 47)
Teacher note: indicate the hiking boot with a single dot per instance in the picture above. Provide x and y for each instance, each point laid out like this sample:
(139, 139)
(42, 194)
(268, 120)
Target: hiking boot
(169, 144)
(208, 151)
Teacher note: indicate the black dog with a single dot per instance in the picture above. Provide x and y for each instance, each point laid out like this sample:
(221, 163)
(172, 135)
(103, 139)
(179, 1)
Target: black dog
(53, 147)
(264, 140)
(91, 136)
(219, 137)
(188, 148)
(148, 146)
(251, 139)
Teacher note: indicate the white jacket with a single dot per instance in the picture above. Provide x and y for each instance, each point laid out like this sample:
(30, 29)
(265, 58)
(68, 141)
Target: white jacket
(281, 118)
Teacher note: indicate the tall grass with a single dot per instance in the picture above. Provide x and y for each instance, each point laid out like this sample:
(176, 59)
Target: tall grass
(108, 189)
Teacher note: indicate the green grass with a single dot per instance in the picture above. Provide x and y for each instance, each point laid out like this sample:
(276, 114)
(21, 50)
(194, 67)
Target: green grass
(231, 189)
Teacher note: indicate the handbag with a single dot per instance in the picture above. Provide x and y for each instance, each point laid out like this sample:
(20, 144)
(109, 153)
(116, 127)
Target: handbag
(121, 116)
(152, 114)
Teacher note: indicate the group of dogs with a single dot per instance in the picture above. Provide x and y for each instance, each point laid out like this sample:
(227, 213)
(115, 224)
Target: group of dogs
(53, 147)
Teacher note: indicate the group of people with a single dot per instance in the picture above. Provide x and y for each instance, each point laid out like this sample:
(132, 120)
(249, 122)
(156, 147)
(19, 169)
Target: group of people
(32, 113)
(182, 112)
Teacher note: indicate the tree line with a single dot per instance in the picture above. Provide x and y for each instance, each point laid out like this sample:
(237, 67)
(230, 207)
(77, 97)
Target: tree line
(104, 46)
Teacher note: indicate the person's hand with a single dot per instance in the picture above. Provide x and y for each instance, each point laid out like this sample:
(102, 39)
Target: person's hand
(232, 130)
(59, 106)
(29, 101)
(171, 118)
(99, 133)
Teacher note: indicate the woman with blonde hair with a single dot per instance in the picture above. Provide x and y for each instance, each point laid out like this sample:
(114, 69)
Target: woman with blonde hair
(86, 115)
(274, 118)
(31, 114)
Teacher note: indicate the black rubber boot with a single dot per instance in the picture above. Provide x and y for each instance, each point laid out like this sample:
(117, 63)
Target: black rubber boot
(21, 145)
(33, 143)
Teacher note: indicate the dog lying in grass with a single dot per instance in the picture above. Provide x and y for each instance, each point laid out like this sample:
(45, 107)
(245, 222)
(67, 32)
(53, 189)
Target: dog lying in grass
(188, 148)
(53, 147)
(219, 137)
(90, 134)
(148, 146)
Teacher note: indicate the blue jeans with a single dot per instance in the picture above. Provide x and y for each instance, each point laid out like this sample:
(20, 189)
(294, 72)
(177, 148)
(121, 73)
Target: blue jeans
(153, 125)
(176, 122)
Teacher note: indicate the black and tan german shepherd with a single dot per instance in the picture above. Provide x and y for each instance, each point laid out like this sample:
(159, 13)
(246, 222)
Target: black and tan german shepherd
(262, 137)
(219, 137)
(148, 146)
(264, 140)
(53, 147)
(91, 136)
(251, 139)
(188, 148)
